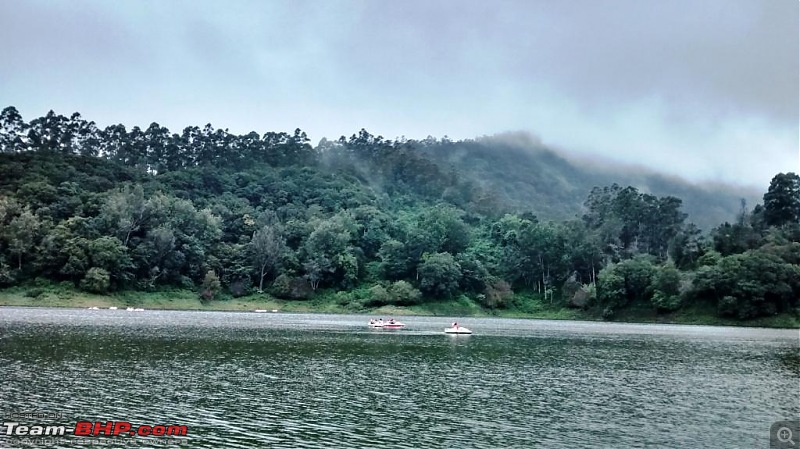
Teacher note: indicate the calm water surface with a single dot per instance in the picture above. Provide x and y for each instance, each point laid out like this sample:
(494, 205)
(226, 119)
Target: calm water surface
(247, 380)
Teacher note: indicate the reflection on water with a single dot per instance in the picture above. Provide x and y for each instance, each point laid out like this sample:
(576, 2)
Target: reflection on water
(314, 381)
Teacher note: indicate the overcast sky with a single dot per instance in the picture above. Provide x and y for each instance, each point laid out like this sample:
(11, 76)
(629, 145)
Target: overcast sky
(704, 89)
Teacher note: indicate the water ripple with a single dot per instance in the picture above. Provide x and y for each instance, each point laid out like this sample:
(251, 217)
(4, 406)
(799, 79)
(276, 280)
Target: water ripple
(292, 381)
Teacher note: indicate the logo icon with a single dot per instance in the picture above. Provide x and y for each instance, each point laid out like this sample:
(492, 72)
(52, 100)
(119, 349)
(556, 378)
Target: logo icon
(784, 435)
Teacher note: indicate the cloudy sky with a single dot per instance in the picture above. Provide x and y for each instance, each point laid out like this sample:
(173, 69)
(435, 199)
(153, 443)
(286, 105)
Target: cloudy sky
(706, 89)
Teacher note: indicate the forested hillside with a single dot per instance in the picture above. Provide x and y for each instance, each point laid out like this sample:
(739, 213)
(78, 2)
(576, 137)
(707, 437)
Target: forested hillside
(528, 176)
(368, 220)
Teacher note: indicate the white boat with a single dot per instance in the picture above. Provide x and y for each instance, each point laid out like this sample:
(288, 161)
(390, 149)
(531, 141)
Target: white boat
(391, 324)
(112, 308)
(260, 311)
(457, 330)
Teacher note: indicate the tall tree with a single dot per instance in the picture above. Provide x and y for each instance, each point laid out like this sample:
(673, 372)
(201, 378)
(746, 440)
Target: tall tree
(782, 200)
(12, 130)
(22, 233)
(127, 210)
(267, 247)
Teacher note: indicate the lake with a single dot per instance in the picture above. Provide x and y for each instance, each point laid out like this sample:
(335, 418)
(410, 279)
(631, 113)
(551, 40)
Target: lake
(252, 380)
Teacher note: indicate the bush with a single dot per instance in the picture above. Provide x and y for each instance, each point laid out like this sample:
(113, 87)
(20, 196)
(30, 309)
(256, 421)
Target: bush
(584, 297)
(666, 286)
(497, 295)
(7, 276)
(34, 293)
(403, 293)
(439, 274)
(97, 280)
(628, 281)
(378, 296)
(288, 287)
(240, 287)
(666, 303)
(399, 293)
(211, 286)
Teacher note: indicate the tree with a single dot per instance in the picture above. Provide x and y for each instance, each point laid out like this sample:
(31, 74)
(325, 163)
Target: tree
(628, 281)
(394, 260)
(782, 200)
(666, 289)
(751, 284)
(439, 274)
(267, 246)
(12, 130)
(97, 280)
(687, 247)
(211, 286)
(126, 209)
(22, 233)
(111, 255)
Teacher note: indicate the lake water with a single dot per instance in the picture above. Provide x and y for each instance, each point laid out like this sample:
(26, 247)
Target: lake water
(247, 380)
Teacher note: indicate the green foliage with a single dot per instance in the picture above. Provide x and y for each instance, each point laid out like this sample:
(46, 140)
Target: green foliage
(35, 293)
(439, 275)
(210, 287)
(404, 294)
(611, 292)
(267, 248)
(400, 293)
(394, 260)
(289, 287)
(97, 280)
(752, 284)
(624, 283)
(782, 200)
(666, 289)
(150, 209)
(498, 295)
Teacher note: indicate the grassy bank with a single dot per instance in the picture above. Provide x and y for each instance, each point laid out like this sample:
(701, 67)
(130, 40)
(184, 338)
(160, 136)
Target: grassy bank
(59, 295)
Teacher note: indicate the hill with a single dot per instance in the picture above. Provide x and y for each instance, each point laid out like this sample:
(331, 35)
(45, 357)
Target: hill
(530, 177)
(366, 222)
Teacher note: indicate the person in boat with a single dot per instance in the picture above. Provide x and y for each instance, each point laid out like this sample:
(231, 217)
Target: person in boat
(391, 320)
(455, 325)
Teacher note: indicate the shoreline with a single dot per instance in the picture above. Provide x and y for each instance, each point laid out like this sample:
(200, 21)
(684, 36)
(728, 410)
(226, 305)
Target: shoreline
(187, 300)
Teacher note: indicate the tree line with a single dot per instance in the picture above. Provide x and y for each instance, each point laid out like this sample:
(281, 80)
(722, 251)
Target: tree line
(371, 218)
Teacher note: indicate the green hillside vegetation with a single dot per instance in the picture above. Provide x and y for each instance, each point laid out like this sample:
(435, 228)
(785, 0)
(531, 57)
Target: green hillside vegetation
(530, 177)
(365, 223)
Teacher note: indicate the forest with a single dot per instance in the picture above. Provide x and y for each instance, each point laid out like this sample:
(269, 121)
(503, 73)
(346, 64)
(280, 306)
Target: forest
(366, 220)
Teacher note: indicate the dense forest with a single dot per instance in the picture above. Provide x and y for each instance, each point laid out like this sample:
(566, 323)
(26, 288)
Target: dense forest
(378, 221)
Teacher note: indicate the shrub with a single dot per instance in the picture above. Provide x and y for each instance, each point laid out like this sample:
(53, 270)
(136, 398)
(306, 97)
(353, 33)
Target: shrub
(497, 294)
(288, 287)
(97, 280)
(240, 287)
(211, 286)
(666, 286)
(34, 293)
(403, 293)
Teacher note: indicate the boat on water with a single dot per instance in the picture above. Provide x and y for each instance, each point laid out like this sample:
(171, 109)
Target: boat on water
(456, 329)
(390, 324)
